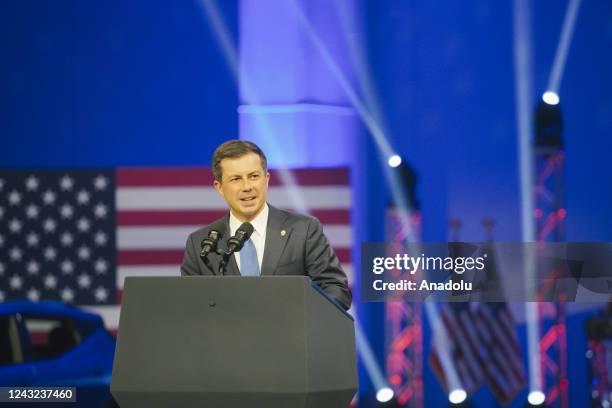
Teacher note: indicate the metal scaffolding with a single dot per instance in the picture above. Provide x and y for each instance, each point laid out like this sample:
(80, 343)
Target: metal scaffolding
(404, 334)
(550, 215)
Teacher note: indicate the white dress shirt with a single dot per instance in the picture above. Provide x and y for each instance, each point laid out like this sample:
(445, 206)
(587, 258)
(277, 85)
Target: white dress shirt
(260, 225)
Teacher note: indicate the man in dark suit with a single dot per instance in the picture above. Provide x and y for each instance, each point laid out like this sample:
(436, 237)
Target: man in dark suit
(282, 243)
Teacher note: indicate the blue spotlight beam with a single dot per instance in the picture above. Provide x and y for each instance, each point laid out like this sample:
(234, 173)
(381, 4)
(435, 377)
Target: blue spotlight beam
(230, 53)
(358, 57)
(554, 81)
(368, 359)
(523, 89)
(442, 347)
(214, 17)
(373, 127)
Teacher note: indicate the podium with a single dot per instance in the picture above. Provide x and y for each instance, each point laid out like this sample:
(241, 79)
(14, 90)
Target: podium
(232, 341)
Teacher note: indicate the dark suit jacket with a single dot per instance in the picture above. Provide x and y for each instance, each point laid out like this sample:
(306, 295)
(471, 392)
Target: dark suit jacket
(303, 250)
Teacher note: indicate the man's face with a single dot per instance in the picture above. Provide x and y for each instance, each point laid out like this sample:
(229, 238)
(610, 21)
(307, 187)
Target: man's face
(244, 185)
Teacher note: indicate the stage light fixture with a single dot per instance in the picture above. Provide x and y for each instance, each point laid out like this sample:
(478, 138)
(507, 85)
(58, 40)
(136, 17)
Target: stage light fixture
(384, 394)
(550, 98)
(394, 160)
(536, 398)
(457, 396)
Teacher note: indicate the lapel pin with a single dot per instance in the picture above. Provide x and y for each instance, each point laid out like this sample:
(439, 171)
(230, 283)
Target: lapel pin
(283, 233)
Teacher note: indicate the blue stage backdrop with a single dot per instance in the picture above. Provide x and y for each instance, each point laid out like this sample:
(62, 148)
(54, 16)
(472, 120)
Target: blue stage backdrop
(124, 83)
(144, 83)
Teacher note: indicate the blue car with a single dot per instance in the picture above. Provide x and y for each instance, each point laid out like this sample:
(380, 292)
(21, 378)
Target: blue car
(54, 344)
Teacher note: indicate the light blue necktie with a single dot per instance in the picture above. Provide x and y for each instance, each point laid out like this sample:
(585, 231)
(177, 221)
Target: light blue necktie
(249, 266)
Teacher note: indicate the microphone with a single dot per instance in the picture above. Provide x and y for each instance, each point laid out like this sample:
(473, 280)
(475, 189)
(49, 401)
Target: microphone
(215, 234)
(242, 234)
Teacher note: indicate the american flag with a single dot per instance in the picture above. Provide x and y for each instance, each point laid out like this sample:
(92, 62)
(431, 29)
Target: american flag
(483, 344)
(96, 227)
(502, 361)
(463, 347)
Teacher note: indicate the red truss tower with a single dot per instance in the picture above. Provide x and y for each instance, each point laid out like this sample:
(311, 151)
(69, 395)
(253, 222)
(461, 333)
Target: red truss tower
(403, 329)
(550, 215)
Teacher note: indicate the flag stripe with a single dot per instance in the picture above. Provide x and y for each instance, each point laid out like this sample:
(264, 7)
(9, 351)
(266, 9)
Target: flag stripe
(492, 365)
(205, 217)
(148, 257)
(196, 198)
(175, 257)
(503, 341)
(458, 336)
(172, 237)
(194, 217)
(170, 177)
(506, 320)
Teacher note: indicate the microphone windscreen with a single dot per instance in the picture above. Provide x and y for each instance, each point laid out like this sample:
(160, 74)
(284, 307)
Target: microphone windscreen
(247, 229)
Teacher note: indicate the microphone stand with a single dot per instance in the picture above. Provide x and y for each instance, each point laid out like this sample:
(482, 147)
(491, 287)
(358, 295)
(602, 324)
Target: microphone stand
(224, 260)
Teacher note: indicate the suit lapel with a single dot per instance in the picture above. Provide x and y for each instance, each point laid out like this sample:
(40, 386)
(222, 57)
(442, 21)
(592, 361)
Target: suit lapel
(275, 242)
